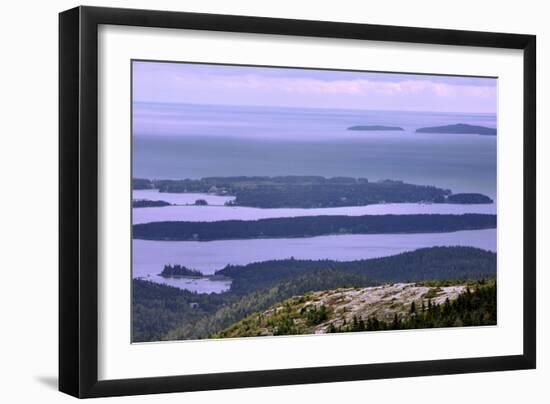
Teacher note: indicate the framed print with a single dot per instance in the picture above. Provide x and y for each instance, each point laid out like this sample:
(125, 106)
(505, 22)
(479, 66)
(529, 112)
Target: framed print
(251, 201)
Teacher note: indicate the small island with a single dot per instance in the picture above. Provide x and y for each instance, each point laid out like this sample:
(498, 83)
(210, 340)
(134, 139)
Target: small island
(375, 128)
(145, 203)
(460, 128)
(180, 271)
(471, 198)
(201, 202)
(174, 271)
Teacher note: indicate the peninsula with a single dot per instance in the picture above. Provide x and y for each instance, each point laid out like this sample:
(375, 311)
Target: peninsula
(310, 226)
(306, 192)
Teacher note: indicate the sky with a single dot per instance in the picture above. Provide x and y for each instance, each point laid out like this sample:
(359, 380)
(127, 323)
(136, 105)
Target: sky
(284, 87)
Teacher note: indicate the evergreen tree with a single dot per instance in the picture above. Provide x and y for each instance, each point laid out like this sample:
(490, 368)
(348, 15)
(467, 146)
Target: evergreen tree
(362, 324)
(395, 323)
(355, 323)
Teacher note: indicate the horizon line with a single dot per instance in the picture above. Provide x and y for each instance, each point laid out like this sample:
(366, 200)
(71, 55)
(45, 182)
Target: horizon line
(306, 107)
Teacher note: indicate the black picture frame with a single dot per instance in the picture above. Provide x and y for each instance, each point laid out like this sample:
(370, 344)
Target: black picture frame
(78, 200)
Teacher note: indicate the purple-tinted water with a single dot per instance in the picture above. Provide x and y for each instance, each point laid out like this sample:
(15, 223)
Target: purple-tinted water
(149, 257)
(200, 285)
(175, 141)
(193, 141)
(219, 212)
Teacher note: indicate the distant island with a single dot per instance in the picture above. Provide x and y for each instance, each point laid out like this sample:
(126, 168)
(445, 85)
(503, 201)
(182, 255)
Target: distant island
(471, 198)
(180, 271)
(374, 127)
(310, 226)
(171, 271)
(145, 203)
(460, 128)
(306, 192)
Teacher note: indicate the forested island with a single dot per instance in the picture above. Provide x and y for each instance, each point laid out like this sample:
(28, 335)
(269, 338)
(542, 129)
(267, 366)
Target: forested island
(306, 191)
(311, 226)
(174, 271)
(145, 203)
(469, 198)
(168, 313)
(375, 128)
(460, 128)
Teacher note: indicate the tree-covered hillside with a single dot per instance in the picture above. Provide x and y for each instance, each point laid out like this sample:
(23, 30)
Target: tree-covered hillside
(422, 264)
(388, 307)
(157, 308)
(164, 312)
(262, 298)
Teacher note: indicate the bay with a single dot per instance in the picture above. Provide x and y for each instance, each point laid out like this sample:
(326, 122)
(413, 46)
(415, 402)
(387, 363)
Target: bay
(216, 210)
(149, 257)
(176, 141)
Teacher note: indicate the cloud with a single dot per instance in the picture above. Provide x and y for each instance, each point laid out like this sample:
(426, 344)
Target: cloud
(363, 87)
(315, 88)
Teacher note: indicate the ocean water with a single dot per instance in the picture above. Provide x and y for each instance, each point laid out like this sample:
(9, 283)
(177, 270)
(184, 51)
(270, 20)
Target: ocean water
(209, 256)
(184, 210)
(149, 257)
(175, 141)
(191, 141)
